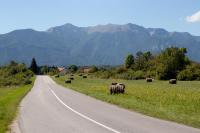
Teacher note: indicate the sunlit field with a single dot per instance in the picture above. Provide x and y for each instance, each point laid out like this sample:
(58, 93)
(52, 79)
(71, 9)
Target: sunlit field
(179, 103)
(10, 98)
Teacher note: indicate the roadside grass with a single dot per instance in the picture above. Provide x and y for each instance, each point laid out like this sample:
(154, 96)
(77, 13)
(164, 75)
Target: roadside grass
(10, 98)
(179, 103)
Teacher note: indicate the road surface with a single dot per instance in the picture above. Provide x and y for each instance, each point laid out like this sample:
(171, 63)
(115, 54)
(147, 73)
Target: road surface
(51, 108)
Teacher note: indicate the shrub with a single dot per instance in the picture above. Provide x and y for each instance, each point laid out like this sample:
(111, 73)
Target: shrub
(121, 70)
(126, 76)
(185, 75)
(104, 74)
(27, 81)
(150, 74)
(139, 75)
(73, 68)
(190, 73)
(93, 69)
(15, 74)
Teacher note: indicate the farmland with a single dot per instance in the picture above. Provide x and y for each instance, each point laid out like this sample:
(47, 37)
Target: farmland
(179, 103)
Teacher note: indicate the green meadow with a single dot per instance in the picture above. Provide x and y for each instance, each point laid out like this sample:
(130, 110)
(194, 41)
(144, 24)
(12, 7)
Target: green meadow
(10, 98)
(179, 103)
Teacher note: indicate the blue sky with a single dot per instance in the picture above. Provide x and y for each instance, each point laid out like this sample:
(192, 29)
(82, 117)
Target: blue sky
(173, 15)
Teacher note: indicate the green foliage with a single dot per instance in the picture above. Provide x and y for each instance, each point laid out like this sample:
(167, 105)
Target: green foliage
(128, 75)
(44, 70)
(140, 61)
(47, 70)
(9, 102)
(121, 70)
(33, 66)
(104, 74)
(129, 61)
(170, 62)
(150, 74)
(147, 55)
(143, 61)
(93, 69)
(139, 75)
(192, 72)
(73, 68)
(120, 73)
(15, 74)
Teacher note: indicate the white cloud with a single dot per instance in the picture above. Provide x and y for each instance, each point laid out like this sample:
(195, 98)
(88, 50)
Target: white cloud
(194, 18)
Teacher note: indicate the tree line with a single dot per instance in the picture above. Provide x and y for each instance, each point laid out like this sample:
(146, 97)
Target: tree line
(170, 63)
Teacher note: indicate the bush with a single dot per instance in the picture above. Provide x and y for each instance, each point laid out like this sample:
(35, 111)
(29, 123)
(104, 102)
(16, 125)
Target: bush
(15, 74)
(121, 70)
(170, 62)
(73, 68)
(93, 69)
(150, 74)
(27, 81)
(126, 76)
(139, 75)
(104, 74)
(190, 73)
(185, 75)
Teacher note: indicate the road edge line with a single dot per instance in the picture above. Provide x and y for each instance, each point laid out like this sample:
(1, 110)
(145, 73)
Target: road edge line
(82, 115)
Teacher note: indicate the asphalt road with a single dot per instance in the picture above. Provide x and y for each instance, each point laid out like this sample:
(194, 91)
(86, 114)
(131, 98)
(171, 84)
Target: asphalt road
(51, 108)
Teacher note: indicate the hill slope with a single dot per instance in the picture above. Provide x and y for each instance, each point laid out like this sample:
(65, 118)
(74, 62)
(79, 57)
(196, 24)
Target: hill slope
(100, 45)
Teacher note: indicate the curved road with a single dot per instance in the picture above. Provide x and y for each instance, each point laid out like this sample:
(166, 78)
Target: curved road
(51, 108)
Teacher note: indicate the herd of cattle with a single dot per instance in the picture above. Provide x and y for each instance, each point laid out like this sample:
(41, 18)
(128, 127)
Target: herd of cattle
(115, 88)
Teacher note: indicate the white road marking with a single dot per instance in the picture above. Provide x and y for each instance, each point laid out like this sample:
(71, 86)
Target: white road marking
(87, 118)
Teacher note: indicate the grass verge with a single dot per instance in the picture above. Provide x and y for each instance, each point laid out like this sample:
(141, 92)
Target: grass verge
(9, 101)
(179, 103)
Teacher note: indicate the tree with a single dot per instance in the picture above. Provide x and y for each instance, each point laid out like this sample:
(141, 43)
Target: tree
(192, 72)
(44, 69)
(93, 69)
(129, 61)
(140, 61)
(33, 66)
(170, 62)
(73, 68)
(147, 55)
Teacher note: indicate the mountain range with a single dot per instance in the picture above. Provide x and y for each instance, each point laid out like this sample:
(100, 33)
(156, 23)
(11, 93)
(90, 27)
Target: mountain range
(99, 45)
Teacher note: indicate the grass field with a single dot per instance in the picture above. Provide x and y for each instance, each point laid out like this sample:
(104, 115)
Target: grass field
(179, 103)
(9, 101)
